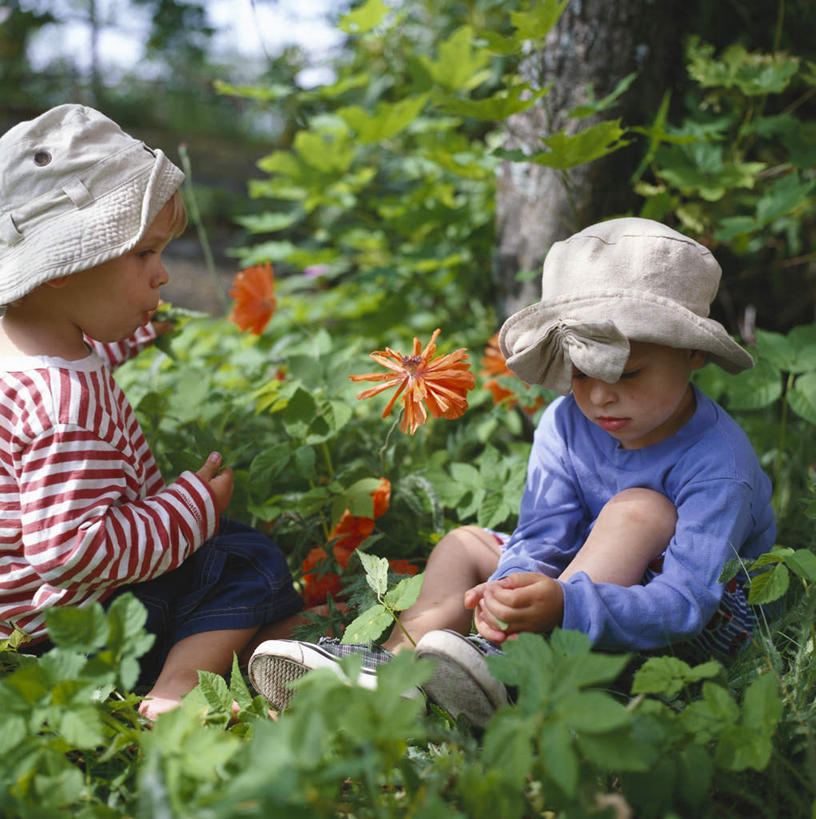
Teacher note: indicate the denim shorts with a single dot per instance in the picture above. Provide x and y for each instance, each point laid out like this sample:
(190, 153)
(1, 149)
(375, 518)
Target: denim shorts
(238, 579)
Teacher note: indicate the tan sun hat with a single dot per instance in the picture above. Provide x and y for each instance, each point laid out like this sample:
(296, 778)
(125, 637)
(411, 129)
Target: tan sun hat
(75, 191)
(618, 280)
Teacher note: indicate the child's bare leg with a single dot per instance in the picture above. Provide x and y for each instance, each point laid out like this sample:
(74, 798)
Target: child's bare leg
(633, 528)
(205, 651)
(464, 557)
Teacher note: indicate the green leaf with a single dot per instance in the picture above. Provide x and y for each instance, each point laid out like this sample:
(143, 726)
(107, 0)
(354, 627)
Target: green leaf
(558, 757)
(497, 108)
(81, 727)
(566, 151)
(595, 107)
(368, 626)
(459, 66)
(238, 688)
(755, 388)
(364, 18)
(669, 675)
(215, 691)
(405, 593)
(592, 712)
(769, 586)
(802, 397)
(776, 349)
(84, 629)
(387, 120)
(803, 563)
(537, 22)
(376, 570)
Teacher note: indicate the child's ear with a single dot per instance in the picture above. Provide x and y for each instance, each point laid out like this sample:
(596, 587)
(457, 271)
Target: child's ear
(59, 281)
(697, 358)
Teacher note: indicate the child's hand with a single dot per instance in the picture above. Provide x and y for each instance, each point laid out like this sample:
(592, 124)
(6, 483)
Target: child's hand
(519, 602)
(221, 483)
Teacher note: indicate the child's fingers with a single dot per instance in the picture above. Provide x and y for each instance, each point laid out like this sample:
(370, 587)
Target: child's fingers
(474, 595)
(211, 466)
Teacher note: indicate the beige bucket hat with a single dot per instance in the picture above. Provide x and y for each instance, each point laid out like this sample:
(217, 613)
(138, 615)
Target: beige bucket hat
(75, 191)
(618, 280)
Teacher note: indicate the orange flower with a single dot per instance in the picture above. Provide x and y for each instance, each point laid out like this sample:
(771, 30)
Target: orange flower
(317, 585)
(402, 567)
(254, 292)
(493, 362)
(442, 383)
(352, 530)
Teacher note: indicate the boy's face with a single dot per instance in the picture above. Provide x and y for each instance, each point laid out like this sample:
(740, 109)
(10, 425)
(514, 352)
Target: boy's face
(110, 301)
(650, 402)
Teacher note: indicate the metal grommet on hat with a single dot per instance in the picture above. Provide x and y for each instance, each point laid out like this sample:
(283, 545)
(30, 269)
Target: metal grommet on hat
(42, 158)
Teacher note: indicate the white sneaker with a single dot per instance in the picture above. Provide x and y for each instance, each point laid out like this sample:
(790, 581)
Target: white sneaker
(462, 682)
(276, 663)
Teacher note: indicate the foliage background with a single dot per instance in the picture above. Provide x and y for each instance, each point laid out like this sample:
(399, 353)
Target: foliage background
(374, 197)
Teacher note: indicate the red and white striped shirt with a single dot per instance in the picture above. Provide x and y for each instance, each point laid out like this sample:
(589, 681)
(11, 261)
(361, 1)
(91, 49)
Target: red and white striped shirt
(83, 507)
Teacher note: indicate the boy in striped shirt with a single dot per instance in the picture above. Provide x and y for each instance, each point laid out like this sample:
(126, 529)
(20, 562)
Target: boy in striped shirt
(85, 213)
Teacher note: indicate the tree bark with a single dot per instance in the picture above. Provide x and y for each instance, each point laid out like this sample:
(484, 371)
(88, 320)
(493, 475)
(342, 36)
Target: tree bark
(595, 43)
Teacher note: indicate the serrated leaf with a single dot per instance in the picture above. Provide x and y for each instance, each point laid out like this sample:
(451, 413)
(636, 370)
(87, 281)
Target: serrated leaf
(84, 629)
(802, 563)
(364, 18)
(536, 22)
(567, 151)
(376, 570)
(802, 397)
(755, 388)
(368, 626)
(498, 107)
(769, 586)
(82, 727)
(458, 66)
(387, 120)
(405, 593)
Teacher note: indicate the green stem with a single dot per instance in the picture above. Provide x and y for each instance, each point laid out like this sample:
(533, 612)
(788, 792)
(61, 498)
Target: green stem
(195, 217)
(327, 455)
(384, 447)
(783, 424)
(393, 613)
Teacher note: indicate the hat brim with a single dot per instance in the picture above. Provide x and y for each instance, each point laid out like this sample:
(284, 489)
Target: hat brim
(638, 315)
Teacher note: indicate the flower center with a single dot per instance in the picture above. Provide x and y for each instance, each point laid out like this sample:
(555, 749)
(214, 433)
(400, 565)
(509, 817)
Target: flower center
(411, 362)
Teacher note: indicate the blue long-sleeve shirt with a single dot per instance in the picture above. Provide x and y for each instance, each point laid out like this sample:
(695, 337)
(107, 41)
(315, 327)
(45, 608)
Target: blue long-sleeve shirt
(707, 469)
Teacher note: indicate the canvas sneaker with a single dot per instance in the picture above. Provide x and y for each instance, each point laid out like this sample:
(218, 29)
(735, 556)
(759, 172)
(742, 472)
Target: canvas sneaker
(276, 663)
(462, 683)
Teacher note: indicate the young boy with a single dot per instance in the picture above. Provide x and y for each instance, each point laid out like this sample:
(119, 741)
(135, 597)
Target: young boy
(85, 213)
(639, 487)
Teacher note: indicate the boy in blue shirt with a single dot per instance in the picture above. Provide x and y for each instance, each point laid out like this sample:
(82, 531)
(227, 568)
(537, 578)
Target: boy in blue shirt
(639, 487)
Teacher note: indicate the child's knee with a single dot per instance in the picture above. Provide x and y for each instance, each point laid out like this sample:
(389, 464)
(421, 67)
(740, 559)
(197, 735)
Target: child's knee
(640, 507)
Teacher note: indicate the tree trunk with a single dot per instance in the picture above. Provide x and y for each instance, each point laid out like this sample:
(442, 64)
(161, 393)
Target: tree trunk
(594, 43)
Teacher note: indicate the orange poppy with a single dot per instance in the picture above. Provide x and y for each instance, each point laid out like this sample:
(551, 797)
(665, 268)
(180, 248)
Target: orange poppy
(316, 585)
(401, 566)
(352, 530)
(254, 292)
(493, 362)
(442, 382)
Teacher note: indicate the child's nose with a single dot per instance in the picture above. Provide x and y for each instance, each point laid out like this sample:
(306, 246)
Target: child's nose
(601, 393)
(162, 276)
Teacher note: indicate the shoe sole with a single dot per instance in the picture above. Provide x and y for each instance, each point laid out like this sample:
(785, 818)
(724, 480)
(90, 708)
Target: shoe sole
(275, 664)
(461, 683)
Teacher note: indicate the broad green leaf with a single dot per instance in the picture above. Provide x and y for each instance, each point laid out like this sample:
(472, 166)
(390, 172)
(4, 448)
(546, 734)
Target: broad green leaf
(376, 570)
(616, 750)
(802, 563)
(592, 712)
(803, 339)
(364, 18)
(269, 222)
(493, 510)
(802, 397)
(267, 93)
(740, 747)
(558, 757)
(84, 629)
(769, 586)
(368, 626)
(508, 746)
(82, 727)
(327, 153)
(762, 705)
(669, 675)
(358, 497)
(466, 475)
(776, 349)
(498, 107)
(566, 151)
(269, 464)
(755, 388)
(535, 23)
(458, 66)
(387, 120)
(215, 691)
(405, 593)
